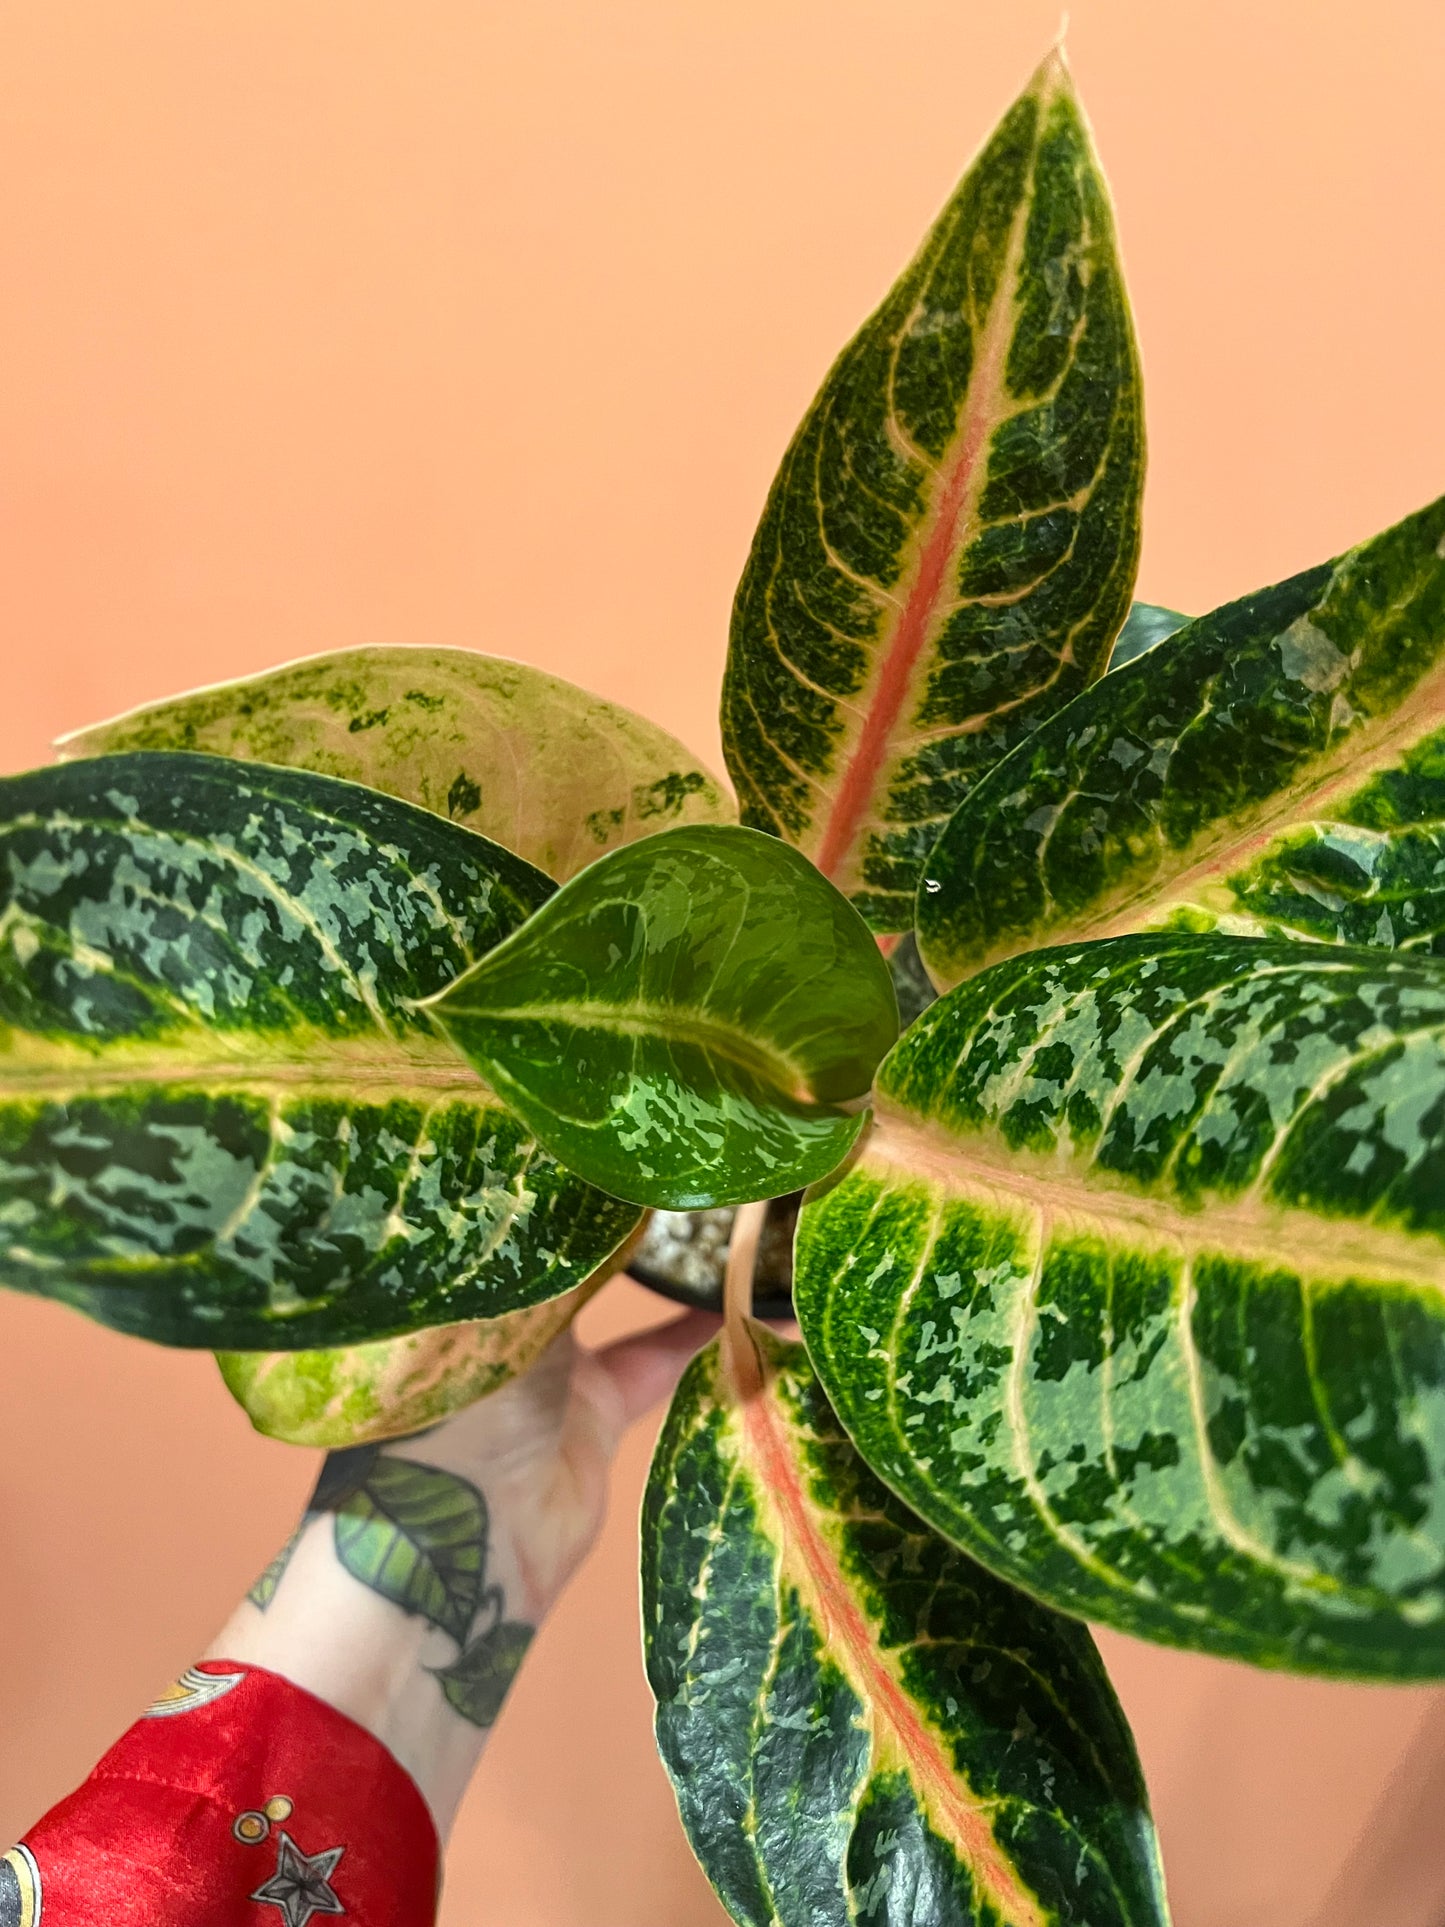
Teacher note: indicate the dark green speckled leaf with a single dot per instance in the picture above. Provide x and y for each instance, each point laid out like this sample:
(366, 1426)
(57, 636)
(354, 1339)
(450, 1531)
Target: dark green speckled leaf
(681, 1022)
(1137, 1291)
(863, 1727)
(1277, 766)
(221, 1122)
(949, 547)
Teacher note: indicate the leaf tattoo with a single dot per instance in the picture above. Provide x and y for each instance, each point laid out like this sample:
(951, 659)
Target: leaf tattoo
(419, 1537)
(476, 1682)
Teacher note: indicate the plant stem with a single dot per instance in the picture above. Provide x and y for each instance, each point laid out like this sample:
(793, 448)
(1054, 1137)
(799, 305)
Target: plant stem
(738, 1348)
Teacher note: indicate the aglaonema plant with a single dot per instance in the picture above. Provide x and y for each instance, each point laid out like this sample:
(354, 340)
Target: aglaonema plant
(357, 1014)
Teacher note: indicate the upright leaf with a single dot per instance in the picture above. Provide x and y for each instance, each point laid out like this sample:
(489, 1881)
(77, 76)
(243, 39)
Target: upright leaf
(949, 547)
(535, 763)
(1137, 1291)
(861, 1725)
(681, 1022)
(1277, 766)
(222, 1121)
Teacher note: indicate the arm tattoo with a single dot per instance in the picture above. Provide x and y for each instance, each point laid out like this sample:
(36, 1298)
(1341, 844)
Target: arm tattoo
(418, 1536)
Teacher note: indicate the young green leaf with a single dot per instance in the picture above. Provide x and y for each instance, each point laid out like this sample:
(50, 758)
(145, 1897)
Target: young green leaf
(1277, 766)
(1145, 626)
(414, 1534)
(1137, 1291)
(394, 1386)
(861, 1725)
(540, 766)
(222, 1122)
(949, 547)
(680, 1022)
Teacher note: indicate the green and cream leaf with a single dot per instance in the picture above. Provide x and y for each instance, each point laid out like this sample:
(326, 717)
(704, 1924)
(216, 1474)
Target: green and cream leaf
(223, 1122)
(862, 1725)
(949, 547)
(535, 763)
(351, 1394)
(1277, 766)
(682, 1022)
(1137, 1292)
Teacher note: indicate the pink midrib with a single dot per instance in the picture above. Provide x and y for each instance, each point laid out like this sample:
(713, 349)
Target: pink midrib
(961, 488)
(846, 1626)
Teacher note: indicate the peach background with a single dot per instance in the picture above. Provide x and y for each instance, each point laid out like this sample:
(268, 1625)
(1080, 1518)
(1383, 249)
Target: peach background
(332, 321)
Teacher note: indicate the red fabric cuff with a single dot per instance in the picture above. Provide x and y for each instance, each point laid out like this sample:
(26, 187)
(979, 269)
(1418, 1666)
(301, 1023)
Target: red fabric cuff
(240, 1799)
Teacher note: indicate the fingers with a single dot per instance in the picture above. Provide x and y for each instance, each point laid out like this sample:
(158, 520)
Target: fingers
(643, 1369)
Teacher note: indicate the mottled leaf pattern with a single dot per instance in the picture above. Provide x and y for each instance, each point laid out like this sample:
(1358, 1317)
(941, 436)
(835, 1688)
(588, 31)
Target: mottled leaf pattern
(949, 547)
(1137, 1291)
(349, 1394)
(222, 1123)
(863, 1727)
(540, 766)
(417, 1536)
(478, 1679)
(1278, 765)
(680, 1023)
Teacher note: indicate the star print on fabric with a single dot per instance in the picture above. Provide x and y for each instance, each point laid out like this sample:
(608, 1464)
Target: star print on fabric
(301, 1885)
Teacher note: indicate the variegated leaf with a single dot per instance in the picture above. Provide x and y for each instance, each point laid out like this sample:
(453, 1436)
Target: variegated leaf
(535, 763)
(684, 1022)
(1277, 766)
(863, 1727)
(222, 1120)
(356, 1394)
(1137, 1291)
(351, 1394)
(949, 547)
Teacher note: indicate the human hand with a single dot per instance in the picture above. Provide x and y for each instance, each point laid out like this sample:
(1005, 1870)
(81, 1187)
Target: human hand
(541, 1448)
(412, 1588)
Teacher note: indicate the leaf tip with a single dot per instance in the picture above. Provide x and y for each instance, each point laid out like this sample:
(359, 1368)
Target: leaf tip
(1053, 74)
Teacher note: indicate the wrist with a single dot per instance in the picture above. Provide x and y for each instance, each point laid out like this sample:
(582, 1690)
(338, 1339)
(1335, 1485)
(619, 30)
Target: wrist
(410, 1592)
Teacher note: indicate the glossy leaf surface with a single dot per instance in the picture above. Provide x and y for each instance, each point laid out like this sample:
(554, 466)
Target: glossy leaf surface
(394, 1386)
(1137, 1291)
(222, 1122)
(537, 764)
(1277, 766)
(948, 550)
(862, 1725)
(680, 1022)
(1146, 625)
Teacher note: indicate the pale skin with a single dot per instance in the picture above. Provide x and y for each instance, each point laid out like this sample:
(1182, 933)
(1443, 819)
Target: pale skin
(537, 1456)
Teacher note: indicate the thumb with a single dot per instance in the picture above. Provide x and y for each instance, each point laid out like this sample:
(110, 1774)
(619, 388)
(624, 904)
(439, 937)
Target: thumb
(642, 1370)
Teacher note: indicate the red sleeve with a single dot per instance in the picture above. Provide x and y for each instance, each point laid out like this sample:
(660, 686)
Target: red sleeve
(237, 1800)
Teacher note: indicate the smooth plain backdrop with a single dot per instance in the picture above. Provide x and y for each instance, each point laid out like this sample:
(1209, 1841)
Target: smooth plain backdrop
(325, 322)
